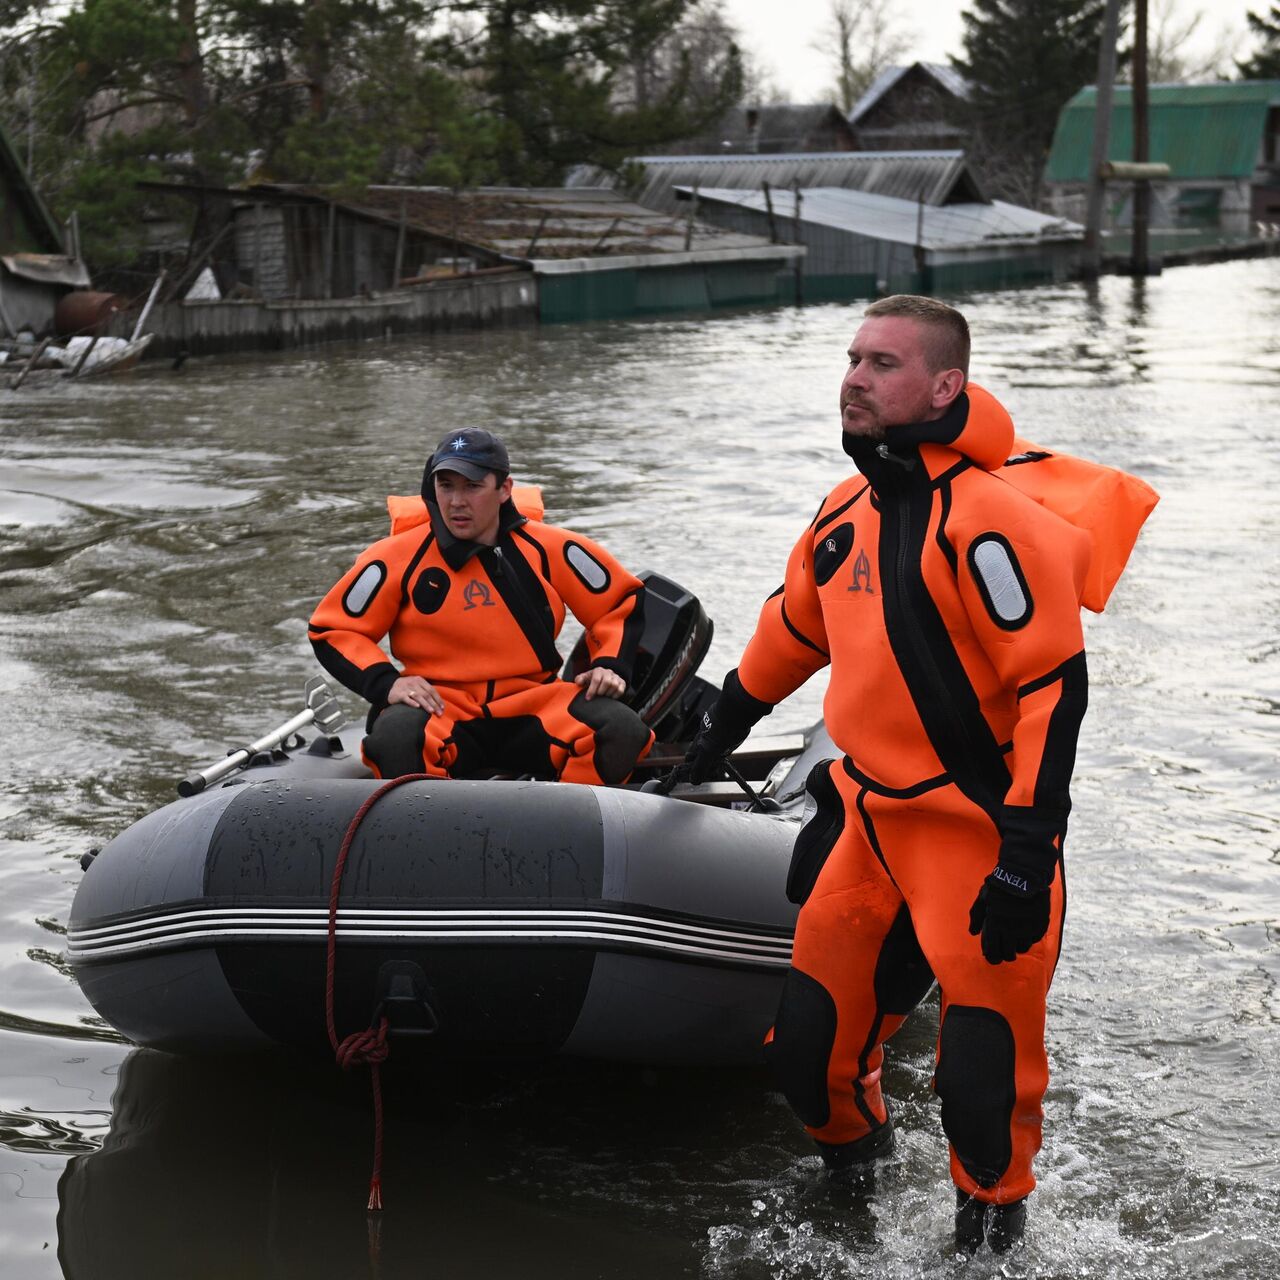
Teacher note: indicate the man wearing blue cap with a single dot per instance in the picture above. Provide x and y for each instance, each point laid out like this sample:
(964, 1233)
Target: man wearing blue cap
(472, 600)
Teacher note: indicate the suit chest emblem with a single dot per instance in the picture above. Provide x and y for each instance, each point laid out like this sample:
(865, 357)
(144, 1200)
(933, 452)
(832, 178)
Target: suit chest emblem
(476, 595)
(862, 574)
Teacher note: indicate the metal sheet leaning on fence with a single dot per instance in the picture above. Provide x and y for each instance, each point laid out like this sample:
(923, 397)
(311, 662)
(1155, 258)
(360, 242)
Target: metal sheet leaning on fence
(474, 614)
(942, 583)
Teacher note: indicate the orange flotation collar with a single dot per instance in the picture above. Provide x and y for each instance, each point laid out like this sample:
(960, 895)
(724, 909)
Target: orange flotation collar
(1110, 505)
(409, 511)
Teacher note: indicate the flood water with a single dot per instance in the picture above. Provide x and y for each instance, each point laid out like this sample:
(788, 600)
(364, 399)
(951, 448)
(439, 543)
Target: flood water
(162, 541)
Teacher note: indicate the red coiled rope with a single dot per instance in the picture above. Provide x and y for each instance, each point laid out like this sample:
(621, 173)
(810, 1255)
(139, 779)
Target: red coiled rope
(370, 1046)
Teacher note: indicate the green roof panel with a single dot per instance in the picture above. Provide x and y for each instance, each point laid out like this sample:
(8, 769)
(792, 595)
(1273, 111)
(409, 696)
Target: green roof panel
(1199, 131)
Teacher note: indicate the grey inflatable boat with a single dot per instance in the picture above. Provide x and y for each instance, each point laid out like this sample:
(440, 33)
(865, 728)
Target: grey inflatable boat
(493, 919)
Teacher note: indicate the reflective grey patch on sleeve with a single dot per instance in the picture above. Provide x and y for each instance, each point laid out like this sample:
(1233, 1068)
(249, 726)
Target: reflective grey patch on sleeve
(361, 592)
(999, 578)
(594, 576)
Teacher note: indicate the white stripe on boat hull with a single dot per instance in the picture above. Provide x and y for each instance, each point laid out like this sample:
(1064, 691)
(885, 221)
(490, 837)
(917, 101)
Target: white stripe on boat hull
(206, 926)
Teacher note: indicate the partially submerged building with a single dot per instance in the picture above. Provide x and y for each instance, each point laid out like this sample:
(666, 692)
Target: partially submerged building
(592, 253)
(297, 265)
(1220, 141)
(870, 222)
(860, 244)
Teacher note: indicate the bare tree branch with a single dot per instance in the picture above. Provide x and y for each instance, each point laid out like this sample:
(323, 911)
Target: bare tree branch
(861, 38)
(149, 101)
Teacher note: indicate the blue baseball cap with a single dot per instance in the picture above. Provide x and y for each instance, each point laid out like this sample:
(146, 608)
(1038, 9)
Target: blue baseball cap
(472, 452)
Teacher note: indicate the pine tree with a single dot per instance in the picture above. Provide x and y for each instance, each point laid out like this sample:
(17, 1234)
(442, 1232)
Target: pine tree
(1265, 63)
(1023, 60)
(576, 81)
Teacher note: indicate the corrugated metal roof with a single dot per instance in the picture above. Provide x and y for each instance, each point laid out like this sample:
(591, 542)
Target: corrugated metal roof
(1198, 130)
(1230, 91)
(952, 226)
(539, 223)
(947, 76)
(937, 177)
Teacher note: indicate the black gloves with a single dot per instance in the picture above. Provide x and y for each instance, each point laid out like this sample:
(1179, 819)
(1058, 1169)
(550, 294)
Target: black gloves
(1011, 911)
(725, 725)
(1010, 921)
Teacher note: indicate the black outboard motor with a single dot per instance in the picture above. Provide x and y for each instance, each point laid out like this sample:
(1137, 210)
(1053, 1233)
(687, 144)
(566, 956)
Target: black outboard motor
(665, 691)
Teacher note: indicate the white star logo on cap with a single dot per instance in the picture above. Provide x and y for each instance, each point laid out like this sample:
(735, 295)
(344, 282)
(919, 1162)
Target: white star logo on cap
(459, 443)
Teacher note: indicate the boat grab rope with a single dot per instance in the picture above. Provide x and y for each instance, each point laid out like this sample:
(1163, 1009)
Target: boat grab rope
(369, 1047)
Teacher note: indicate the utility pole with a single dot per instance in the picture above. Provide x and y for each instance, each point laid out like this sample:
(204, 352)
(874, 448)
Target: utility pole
(1141, 141)
(1091, 265)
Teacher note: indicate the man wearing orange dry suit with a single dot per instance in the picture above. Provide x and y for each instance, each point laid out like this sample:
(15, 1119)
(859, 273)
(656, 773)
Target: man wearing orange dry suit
(947, 605)
(472, 600)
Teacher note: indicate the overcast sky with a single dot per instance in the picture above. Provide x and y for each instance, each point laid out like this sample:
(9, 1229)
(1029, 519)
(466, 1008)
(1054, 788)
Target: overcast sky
(781, 33)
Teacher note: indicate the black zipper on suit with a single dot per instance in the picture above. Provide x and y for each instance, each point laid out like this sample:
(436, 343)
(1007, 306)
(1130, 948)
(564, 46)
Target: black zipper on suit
(930, 665)
(530, 618)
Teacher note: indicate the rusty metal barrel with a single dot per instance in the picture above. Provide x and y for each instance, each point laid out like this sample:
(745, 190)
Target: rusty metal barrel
(86, 311)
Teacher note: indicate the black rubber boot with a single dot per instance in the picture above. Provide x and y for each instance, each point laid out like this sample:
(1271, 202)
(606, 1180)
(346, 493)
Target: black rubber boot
(853, 1163)
(970, 1213)
(1001, 1225)
(1005, 1225)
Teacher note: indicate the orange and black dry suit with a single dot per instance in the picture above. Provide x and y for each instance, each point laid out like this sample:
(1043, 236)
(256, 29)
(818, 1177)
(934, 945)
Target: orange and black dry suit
(480, 624)
(946, 602)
